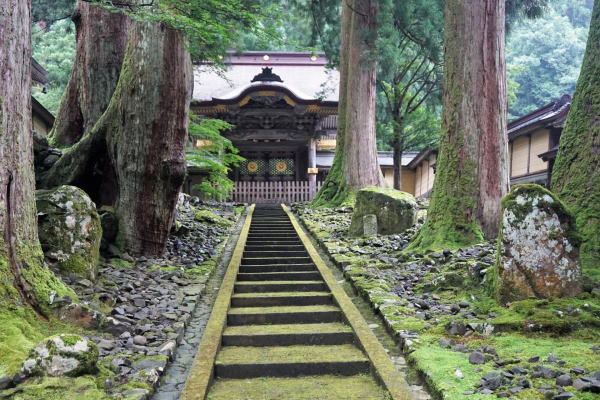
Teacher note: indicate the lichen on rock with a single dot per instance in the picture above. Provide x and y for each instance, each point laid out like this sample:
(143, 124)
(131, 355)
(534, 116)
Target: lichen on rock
(69, 229)
(62, 355)
(538, 247)
(396, 211)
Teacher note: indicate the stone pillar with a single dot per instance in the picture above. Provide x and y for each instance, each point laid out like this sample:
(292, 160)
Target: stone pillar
(312, 166)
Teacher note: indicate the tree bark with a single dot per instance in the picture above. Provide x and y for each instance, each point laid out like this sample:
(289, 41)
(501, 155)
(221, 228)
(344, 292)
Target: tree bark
(101, 37)
(24, 277)
(334, 190)
(356, 140)
(361, 168)
(133, 159)
(472, 173)
(576, 173)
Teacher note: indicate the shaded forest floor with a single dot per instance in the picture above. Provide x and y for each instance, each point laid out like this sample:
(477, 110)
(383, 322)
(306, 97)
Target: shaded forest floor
(140, 306)
(463, 343)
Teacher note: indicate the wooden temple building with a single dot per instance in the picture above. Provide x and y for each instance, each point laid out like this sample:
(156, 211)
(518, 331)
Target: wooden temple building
(283, 106)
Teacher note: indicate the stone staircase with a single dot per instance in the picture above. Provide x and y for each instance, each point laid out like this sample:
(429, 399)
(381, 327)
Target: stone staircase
(285, 338)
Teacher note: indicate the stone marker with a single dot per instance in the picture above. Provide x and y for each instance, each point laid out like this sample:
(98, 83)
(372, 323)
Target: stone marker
(395, 211)
(370, 225)
(539, 253)
(69, 229)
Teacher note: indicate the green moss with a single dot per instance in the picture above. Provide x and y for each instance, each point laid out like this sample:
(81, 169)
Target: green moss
(209, 217)
(121, 264)
(289, 354)
(83, 388)
(287, 328)
(71, 340)
(323, 387)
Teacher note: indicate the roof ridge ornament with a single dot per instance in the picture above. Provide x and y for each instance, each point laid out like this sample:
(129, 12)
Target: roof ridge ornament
(267, 75)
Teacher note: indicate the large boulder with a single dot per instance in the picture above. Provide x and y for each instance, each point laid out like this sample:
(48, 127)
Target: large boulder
(69, 229)
(538, 244)
(62, 355)
(395, 211)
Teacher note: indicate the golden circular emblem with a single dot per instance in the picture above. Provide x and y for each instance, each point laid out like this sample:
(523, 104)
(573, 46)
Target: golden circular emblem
(280, 166)
(252, 166)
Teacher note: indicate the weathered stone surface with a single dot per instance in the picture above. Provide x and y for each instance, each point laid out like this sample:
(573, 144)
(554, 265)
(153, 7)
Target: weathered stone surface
(396, 211)
(62, 355)
(69, 229)
(539, 256)
(370, 225)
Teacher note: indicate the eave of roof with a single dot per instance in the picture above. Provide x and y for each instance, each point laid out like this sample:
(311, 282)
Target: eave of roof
(421, 156)
(550, 114)
(41, 111)
(274, 58)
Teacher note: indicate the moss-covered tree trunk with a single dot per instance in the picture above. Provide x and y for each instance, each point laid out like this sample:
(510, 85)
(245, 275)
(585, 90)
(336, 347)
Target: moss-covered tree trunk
(24, 277)
(361, 167)
(101, 39)
(355, 164)
(576, 173)
(133, 159)
(334, 190)
(472, 170)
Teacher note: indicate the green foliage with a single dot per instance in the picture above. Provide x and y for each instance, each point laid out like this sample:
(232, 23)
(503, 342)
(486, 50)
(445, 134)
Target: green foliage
(54, 49)
(217, 155)
(544, 55)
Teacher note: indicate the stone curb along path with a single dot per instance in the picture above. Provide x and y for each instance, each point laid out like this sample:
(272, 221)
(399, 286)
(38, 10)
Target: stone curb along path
(281, 327)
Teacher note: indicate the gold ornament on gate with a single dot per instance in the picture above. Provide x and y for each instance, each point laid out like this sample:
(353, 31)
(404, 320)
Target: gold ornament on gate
(252, 166)
(280, 166)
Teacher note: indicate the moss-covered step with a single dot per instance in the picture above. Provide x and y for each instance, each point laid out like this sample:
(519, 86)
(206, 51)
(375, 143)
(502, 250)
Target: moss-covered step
(288, 335)
(325, 387)
(280, 299)
(275, 260)
(239, 362)
(274, 253)
(283, 315)
(272, 241)
(280, 286)
(278, 268)
(274, 247)
(280, 276)
(272, 235)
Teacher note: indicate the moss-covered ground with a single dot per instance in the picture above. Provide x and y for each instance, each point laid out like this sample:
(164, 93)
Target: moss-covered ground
(397, 282)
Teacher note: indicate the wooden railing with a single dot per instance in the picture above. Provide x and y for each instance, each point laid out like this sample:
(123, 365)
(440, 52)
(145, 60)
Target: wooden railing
(274, 192)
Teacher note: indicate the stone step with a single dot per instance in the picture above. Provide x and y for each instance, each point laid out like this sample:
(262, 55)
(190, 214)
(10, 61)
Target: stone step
(279, 276)
(277, 268)
(283, 315)
(324, 387)
(275, 254)
(275, 260)
(243, 362)
(280, 286)
(274, 247)
(334, 333)
(280, 299)
(272, 242)
(291, 335)
(273, 230)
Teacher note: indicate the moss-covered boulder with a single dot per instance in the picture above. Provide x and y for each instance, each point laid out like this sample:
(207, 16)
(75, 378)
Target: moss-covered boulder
(396, 211)
(69, 229)
(62, 355)
(538, 247)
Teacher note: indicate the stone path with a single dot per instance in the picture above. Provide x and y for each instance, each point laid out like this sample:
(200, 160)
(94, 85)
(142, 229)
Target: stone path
(286, 334)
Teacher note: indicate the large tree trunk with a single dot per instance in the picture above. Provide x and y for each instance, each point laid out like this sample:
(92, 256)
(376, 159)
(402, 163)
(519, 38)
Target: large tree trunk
(23, 276)
(576, 173)
(101, 39)
(334, 190)
(361, 168)
(133, 159)
(472, 173)
(356, 142)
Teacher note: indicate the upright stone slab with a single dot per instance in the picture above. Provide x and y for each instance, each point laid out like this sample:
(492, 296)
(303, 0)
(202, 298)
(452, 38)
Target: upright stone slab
(370, 225)
(69, 229)
(538, 247)
(396, 211)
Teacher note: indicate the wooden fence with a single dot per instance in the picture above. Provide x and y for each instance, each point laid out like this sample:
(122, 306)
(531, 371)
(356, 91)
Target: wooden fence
(274, 192)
